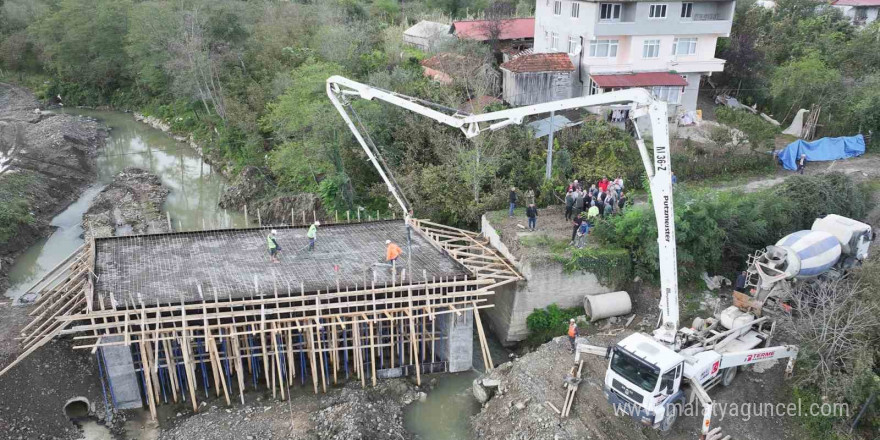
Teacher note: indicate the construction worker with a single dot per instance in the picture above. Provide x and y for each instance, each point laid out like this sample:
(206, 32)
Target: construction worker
(392, 252)
(572, 333)
(313, 234)
(274, 248)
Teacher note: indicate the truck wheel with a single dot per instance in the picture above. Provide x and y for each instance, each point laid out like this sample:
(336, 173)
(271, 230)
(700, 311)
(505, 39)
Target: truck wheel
(727, 376)
(671, 415)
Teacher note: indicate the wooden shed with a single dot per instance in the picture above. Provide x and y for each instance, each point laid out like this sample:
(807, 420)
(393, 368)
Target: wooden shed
(536, 78)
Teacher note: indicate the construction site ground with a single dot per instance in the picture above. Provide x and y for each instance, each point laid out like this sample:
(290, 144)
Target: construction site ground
(519, 410)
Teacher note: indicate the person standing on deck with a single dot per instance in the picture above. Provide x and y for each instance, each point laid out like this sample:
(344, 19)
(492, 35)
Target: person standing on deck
(313, 234)
(274, 248)
(392, 252)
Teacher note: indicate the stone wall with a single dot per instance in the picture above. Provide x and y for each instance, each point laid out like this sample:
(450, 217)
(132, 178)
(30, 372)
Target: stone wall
(545, 283)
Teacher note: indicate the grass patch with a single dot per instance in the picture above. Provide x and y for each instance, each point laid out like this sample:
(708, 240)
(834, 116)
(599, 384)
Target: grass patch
(548, 323)
(15, 209)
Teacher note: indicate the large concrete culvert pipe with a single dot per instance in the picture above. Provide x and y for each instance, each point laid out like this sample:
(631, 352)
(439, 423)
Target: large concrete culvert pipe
(607, 305)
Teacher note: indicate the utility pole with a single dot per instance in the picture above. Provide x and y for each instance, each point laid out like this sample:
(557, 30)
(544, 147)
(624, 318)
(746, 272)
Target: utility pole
(549, 149)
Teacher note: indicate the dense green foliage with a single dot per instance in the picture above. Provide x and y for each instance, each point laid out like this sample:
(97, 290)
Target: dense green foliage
(800, 53)
(546, 324)
(14, 205)
(717, 230)
(611, 266)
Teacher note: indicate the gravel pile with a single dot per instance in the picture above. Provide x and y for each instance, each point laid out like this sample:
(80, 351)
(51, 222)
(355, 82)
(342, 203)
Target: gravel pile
(130, 205)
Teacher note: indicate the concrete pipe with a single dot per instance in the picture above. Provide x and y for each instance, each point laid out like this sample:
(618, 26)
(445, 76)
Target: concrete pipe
(607, 305)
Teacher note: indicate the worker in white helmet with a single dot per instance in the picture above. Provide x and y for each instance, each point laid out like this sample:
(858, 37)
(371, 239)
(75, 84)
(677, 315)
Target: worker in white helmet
(313, 234)
(274, 248)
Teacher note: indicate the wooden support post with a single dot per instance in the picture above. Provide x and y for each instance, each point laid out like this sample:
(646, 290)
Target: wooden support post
(373, 343)
(148, 380)
(188, 368)
(304, 217)
(246, 223)
(484, 346)
(154, 374)
(172, 368)
(291, 366)
(168, 217)
(348, 216)
(310, 338)
(280, 371)
(259, 218)
(336, 216)
(334, 357)
(414, 348)
(218, 370)
(239, 370)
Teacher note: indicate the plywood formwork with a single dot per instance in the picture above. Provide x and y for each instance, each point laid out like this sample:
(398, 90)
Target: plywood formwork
(225, 323)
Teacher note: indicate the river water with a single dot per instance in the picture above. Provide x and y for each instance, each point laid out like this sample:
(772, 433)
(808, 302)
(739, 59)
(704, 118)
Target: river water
(195, 192)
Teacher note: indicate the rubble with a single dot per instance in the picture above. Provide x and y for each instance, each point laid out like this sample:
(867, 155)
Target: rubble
(130, 205)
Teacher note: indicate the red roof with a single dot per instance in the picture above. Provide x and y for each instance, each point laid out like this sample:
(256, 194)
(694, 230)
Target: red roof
(856, 3)
(540, 62)
(639, 80)
(510, 29)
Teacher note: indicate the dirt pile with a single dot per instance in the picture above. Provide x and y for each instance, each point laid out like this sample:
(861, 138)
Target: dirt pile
(349, 412)
(35, 391)
(517, 409)
(46, 161)
(130, 205)
(255, 188)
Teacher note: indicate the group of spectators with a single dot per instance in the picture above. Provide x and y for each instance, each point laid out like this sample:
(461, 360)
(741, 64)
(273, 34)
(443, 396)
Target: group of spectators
(583, 206)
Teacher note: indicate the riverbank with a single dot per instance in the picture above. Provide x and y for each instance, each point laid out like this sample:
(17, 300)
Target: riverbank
(46, 162)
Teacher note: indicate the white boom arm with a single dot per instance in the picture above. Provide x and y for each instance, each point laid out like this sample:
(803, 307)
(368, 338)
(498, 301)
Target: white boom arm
(642, 104)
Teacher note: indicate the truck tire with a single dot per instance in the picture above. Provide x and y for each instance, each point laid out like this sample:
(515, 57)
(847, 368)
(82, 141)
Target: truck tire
(727, 376)
(670, 416)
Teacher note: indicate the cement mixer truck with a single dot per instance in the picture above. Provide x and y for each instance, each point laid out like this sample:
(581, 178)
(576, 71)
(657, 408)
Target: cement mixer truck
(831, 246)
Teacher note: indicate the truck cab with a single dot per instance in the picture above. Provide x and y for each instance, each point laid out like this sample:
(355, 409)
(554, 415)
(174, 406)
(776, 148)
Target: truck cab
(644, 380)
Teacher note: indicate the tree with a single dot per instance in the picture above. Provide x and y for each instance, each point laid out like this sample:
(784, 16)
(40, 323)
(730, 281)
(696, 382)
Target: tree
(803, 82)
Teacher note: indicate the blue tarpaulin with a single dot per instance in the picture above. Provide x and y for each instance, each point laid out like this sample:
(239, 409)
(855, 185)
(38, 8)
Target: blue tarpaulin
(822, 149)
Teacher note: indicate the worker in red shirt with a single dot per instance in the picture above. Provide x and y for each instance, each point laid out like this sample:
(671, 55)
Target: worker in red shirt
(392, 252)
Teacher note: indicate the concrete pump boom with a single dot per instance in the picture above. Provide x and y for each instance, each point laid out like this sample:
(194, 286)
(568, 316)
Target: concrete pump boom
(339, 89)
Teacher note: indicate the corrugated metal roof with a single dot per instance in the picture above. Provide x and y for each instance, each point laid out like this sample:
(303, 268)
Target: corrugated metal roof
(856, 3)
(510, 29)
(540, 62)
(643, 79)
(542, 126)
(428, 29)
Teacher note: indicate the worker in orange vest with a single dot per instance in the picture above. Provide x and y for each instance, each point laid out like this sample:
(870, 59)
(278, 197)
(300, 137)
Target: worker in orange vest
(392, 252)
(572, 333)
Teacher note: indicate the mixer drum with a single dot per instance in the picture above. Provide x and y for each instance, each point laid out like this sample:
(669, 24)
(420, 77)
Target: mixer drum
(816, 251)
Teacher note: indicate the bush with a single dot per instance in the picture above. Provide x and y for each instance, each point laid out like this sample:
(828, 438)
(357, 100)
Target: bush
(611, 266)
(546, 324)
(760, 134)
(14, 205)
(717, 231)
(709, 166)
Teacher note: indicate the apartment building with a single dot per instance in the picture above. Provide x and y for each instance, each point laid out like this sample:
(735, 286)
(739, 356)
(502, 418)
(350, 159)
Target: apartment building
(663, 46)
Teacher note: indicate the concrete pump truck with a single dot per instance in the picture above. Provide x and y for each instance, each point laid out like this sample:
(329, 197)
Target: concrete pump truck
(651, 377)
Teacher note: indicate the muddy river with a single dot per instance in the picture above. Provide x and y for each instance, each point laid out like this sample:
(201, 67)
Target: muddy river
(192, 204)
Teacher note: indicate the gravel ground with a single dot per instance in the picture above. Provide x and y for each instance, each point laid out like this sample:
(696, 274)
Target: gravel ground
(130, 205)
(518, 411)
(347, 412)
(55, 152)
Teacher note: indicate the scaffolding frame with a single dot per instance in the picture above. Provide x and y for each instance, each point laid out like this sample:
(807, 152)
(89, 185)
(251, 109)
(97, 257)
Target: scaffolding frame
(226, 343)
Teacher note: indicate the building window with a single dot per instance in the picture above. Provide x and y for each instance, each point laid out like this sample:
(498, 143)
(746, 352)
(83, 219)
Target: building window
(657, 11)
(687, 10)
(554, 41)
(557, 8)
(547, 38)
(669, 94)
(603, 48)
(572, 44)
(594, 88)
(651, 49)
(609, 11)
(684, 46)
(575, 9)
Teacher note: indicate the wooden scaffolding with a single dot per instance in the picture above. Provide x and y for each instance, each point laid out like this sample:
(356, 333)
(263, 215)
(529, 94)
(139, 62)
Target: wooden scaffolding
(227, 344)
